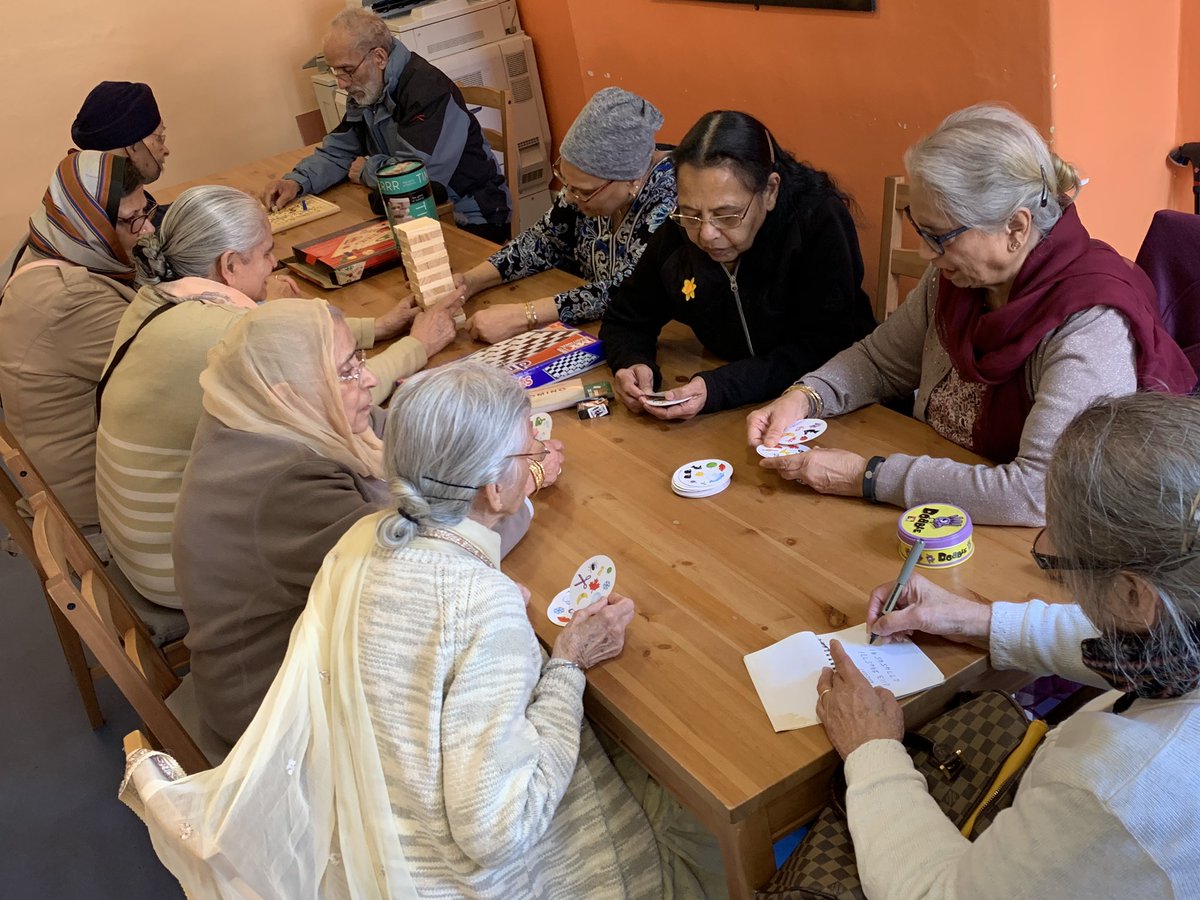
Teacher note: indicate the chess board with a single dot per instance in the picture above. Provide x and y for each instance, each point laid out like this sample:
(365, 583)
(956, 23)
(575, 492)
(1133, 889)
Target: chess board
(300, 212)
(544, 356)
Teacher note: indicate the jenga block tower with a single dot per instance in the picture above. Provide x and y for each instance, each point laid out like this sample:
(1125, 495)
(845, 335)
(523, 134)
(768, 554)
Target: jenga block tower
(423, 252)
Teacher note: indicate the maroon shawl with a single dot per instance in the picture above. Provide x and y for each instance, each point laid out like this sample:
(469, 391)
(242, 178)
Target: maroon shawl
(1066, 272)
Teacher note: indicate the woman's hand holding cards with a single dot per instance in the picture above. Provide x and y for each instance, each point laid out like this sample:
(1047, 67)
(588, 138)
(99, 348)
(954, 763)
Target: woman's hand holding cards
(595, 633)
(764, 426)
(632, 384)
(826, 471)
(680, 403)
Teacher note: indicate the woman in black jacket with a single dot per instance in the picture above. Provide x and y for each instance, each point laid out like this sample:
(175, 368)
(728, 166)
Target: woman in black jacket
(762, 263)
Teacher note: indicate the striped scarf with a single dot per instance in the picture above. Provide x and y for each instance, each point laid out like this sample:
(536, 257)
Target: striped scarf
(1128, 663)
(77, 219)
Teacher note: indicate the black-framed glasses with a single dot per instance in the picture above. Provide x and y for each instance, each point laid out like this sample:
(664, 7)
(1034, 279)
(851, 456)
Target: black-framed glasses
(721, 223)
(936, 242)
(1050, 562)
(357, 363)
(348, 71)
(137, 222)
(573, 192)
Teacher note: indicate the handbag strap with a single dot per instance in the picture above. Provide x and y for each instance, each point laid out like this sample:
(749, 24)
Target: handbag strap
(123, 349)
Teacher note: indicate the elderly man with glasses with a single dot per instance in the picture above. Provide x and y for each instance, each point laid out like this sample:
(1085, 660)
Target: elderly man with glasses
(399, 107)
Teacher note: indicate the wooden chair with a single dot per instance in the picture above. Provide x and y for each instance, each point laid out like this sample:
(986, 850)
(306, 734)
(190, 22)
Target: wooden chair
(894, 261)
(504, 140)
(20, 481)
(78, 585)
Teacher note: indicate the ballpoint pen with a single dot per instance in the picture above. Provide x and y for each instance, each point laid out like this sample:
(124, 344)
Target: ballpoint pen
(906, 570)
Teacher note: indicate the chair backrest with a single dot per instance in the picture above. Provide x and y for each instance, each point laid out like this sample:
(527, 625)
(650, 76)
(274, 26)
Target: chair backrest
(79, 587)
(504, 140)
(895, 261)
(1170, 255)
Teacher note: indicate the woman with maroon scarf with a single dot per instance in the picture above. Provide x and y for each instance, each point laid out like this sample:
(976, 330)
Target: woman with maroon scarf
(1021, 321)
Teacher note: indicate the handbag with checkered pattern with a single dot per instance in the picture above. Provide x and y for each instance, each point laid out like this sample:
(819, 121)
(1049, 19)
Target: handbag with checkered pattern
(972, 757)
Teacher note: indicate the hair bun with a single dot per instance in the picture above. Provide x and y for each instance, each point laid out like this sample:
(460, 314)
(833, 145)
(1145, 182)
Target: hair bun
(151, 261)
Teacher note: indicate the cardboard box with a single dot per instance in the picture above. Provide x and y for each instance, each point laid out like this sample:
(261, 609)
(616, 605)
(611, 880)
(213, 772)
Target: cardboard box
(544, 356)
(351, 254)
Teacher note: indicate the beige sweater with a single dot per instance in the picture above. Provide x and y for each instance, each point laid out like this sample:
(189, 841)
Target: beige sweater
(500, 789)
(1108, 807)
(56, 329)
(1090, 356)
(148, 418)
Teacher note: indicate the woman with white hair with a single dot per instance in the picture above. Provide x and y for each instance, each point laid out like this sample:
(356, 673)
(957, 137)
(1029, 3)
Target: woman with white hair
(1021, 321)
(208, 265)
(288, 398)
(616, 187)
(1108, 806)
(417, 741)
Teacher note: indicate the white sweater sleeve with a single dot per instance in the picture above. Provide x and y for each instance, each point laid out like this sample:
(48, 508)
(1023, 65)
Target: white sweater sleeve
(510, 735)
(1055, 841)
(1042, 638)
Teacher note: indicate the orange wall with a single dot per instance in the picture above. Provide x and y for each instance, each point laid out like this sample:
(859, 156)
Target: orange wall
(226, 74)
(1116, 109)
(846, 91)
(1189, 98)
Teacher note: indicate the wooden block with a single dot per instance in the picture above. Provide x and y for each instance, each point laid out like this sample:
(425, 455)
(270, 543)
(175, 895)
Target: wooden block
(418, 231)
(427, 264)
(439, 286)
(460, 320)
(431, 275)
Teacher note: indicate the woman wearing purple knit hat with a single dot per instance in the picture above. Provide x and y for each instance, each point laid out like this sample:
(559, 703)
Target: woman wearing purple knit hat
(616, 187)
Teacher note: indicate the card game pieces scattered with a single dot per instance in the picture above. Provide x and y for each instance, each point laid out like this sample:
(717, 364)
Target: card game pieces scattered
(306, 209)
(423, 252)
(593, 581)
(793, 439)
(702, 478)
(542, 425)
(660, 399)
(773, 452)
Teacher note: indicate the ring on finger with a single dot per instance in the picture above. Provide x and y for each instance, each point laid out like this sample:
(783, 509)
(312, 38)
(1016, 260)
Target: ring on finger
(821, 696)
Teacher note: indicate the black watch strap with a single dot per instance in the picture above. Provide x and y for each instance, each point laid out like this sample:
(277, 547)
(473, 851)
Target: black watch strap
(868, 486)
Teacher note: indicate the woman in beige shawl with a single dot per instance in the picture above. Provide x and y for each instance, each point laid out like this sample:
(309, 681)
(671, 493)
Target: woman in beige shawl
(286, 458)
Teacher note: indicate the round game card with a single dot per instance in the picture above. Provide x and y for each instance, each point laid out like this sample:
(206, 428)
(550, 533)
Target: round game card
(593, 581)
(772, 452)
(560, 611)
(542, 425)
(802, 431)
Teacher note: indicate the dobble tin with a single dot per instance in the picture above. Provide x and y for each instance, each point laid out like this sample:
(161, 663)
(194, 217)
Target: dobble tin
(408, 183)
(946, 531)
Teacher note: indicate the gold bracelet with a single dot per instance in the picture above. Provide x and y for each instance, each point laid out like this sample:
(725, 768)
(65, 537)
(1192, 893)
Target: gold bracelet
(531, 317)
(538, 471)
(815, 404)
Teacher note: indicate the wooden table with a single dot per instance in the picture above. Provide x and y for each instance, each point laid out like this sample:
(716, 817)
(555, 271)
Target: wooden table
(713, 579)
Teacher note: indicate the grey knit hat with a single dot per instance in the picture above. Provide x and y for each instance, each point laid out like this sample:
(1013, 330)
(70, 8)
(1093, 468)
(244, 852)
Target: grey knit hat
(613, 135)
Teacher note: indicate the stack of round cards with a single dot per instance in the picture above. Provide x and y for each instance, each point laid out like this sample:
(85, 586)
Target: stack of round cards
(794, 439)
(702, 478)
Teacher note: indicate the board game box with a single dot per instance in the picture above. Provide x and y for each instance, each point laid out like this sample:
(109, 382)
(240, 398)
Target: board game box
(544, 356)
(351, 254)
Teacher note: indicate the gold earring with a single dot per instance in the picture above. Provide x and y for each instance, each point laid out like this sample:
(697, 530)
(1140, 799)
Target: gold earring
(1014, 245)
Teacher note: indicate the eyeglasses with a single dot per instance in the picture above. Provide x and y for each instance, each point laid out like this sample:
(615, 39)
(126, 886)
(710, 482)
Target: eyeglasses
(348, 71)
(721, 223)
(538, 455)
(137, 222)
(357, 364)
(936, 242)
(573, 192)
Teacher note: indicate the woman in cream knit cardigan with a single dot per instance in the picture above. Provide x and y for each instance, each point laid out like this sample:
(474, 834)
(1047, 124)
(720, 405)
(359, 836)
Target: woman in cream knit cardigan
(417, 741)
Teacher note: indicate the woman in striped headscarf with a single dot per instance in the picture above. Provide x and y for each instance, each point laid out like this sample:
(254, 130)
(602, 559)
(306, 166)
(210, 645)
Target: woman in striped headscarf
(59, 313)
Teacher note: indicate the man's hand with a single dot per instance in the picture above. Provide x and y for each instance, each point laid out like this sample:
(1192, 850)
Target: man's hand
(696, 392)
(279, 193)
(356, 169)
(632, 384)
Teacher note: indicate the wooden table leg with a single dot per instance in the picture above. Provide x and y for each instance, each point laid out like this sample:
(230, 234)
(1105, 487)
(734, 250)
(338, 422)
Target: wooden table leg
(748, 854)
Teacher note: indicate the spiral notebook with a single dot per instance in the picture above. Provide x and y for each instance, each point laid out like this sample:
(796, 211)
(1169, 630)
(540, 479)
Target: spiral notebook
(785, 674)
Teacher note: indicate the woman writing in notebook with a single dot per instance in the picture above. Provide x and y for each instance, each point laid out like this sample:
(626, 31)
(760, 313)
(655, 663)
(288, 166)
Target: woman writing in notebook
(1106, 807)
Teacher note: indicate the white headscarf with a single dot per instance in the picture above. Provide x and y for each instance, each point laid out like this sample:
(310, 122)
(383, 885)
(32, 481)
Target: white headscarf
(300, 808)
